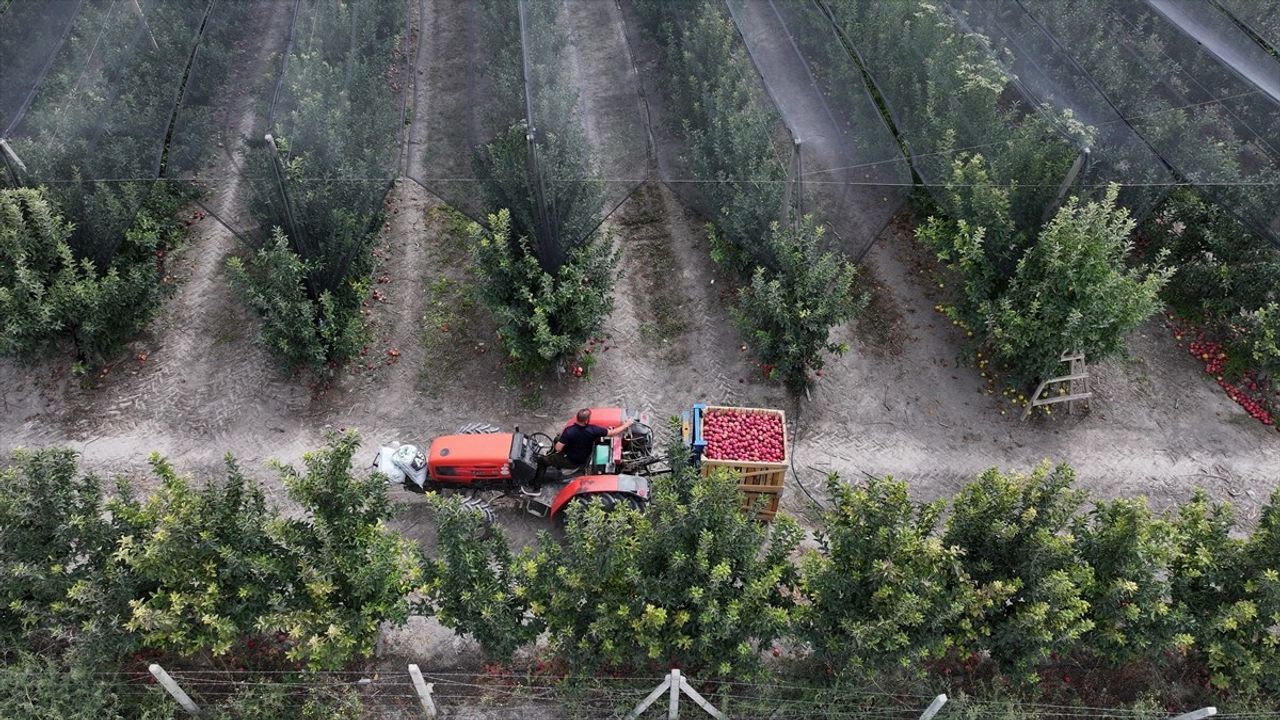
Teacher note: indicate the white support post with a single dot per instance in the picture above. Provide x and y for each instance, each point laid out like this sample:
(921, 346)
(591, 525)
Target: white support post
(673, 685)
(673, 711)
(424, 691)
(1200, 714)
(172, 688)
(934, 707)
(695, 696)
(650, 699)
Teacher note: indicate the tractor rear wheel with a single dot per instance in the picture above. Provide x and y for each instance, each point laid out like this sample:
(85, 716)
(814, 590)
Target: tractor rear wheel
(484, 511)
(478, 429)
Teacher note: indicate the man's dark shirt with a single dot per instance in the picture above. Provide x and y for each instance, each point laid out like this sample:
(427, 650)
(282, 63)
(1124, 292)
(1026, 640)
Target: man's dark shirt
(578, 441)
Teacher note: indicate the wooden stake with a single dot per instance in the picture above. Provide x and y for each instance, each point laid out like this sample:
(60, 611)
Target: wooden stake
(650, 699)
(695, 696)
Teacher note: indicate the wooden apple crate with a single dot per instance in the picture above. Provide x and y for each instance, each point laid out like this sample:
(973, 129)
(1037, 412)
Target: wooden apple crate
(756, 480)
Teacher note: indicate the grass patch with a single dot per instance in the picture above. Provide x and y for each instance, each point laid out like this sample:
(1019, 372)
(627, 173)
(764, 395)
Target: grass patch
(880, 324)
(662, 320)
(448, 333)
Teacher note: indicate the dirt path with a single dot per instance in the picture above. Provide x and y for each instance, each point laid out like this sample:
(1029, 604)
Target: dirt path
(191, 386)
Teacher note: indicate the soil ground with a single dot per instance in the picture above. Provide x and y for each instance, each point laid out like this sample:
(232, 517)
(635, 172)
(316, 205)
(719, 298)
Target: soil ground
(898, 403)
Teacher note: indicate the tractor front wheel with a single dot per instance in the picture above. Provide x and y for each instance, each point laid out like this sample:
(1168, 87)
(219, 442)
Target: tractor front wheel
(484, 511)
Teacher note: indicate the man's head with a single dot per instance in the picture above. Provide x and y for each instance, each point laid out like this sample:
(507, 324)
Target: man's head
(584, 417)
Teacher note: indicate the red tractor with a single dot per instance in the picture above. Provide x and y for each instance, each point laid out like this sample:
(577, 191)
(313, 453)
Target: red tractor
(480, 459)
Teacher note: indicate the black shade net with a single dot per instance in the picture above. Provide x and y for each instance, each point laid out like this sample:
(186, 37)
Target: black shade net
(954, 105)
(846, 167)
(757, 110)
(720, 143)
(334, 122)
(1048, 77)
(1260, 17)
(94, 125)
(1193, 84)
(532, 106)
(295, 113)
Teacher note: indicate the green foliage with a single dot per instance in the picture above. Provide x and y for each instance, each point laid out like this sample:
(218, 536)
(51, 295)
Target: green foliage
(347, 572)
(1013, 531)
(692, 580)
(1130, 553)
(786, 314)
(52, 537)
(50, 687)
(302, 333)
(1260, 335)
(1227, 279)
(882, 590)
(540, 317)
(979, 239)
(204, 568)
(471, 585)
(1073, 291)
(1226, 591)
(1069, 290)
(307, 699)
(47, 289)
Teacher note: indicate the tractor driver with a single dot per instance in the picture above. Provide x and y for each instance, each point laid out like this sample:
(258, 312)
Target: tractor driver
(573, 450)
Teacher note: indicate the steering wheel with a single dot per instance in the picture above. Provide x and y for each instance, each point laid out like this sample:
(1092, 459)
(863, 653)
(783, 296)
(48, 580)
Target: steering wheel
(542, 443)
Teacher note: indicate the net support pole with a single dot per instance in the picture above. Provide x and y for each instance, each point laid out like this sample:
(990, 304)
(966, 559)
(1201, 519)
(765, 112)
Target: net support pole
(794, 200)
(12, 162)
(650, 699)
(673, 710)
(1074, 172)
(172, 688)
(277, 168)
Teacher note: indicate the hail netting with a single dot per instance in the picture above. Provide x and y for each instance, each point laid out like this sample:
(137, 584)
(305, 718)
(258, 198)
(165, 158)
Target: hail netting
(334, 121)
(1260, 17)
(532, 107)
(1049, 78)
(220, 109)
(89, 102)
(31, 34)
(955, 106)
(846, 166)
(720, 143)
(1193, 83)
